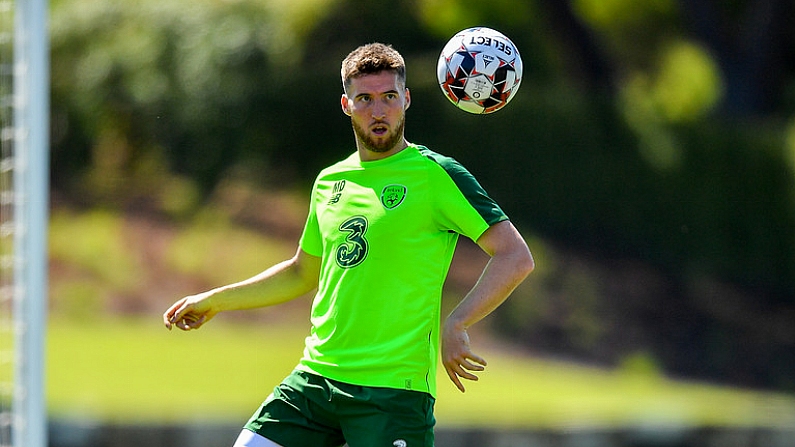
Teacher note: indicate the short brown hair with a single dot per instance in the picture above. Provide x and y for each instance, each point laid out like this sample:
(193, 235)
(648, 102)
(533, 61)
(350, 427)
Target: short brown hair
(372, 58)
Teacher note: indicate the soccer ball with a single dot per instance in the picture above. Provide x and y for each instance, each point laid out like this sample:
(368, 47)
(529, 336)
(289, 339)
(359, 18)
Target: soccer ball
(479, 70)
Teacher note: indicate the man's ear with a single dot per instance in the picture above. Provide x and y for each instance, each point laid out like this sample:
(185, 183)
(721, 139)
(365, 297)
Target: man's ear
(408, 99)
(345, 103)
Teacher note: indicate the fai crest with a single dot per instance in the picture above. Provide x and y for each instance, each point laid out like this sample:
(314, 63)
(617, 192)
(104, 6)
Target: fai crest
(392, 196)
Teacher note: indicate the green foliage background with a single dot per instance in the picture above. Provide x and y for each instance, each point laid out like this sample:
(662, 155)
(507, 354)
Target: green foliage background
(654, 173)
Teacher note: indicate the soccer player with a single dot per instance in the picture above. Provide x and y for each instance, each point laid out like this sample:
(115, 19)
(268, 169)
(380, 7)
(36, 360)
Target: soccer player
(376, 246)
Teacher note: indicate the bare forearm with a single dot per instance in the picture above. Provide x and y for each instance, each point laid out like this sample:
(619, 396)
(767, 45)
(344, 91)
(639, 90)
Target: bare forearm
(280, 283)
(510, 263)
(500, 277)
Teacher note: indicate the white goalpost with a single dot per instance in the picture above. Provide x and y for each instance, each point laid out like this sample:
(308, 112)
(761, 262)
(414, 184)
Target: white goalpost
(24, 217)
(6, 220)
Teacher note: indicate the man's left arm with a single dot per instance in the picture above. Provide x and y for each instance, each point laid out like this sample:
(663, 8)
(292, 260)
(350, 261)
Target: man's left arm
(509, 265)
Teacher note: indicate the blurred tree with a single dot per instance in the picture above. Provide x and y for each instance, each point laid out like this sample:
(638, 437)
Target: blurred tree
(753, 42)
(157, 87)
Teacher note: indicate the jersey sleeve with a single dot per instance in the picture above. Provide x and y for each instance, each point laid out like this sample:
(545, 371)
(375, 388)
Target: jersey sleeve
(463, 205)
(311, 241)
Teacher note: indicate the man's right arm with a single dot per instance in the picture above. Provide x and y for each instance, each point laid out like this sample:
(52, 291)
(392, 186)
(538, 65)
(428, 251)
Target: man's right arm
(279, 283)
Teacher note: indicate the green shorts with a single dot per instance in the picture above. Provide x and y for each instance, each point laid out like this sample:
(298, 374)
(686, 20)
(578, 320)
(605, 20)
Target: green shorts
(307, 410)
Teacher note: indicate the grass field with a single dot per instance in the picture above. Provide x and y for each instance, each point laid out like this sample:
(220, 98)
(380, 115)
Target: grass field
(134, 370)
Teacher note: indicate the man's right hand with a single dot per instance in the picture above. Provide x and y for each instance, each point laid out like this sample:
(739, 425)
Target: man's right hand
(189, 313)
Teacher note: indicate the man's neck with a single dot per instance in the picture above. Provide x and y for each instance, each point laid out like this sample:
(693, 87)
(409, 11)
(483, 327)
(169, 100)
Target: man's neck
(368, 155)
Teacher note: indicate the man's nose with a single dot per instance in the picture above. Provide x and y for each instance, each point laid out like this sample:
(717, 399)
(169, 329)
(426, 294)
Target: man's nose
(378, 110)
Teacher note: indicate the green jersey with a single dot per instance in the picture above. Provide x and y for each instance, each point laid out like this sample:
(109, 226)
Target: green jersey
(386, 232)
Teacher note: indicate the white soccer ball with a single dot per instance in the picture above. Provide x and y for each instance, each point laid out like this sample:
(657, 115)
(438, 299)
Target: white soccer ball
(479, 70)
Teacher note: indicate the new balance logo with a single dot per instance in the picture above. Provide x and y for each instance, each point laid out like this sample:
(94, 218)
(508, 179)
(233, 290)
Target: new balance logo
(336, 193)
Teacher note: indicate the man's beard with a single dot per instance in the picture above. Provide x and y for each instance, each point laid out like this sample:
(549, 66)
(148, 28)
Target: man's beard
(385, 145)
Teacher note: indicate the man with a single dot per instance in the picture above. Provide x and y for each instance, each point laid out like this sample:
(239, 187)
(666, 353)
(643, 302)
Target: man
(377, 245)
